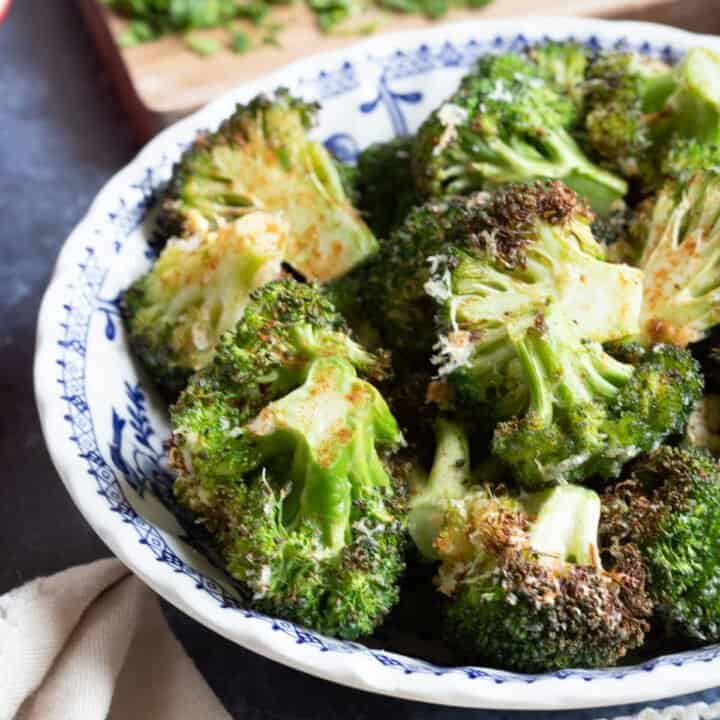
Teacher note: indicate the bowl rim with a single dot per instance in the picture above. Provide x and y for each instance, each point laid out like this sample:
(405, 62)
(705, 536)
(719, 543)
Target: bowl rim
(675, 674)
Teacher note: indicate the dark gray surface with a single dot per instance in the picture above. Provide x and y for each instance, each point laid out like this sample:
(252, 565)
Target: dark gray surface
(62, 134)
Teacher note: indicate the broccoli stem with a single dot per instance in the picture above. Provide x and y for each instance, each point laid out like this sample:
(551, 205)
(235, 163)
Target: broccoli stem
(331, 424)
(604, 299)
(560, 367)
(451, 466)
(326, 497)
(564, 161)
(565, 527)
(313, 344)
(680, 258)
(447, 481)
(600, 187)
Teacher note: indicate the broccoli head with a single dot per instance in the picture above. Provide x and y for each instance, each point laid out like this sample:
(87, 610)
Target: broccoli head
(563, 65)
(281, 449)
(622, 91)
(638, 108)
(385, 185)
(525, 300)
(685, 157)
(589, 412)
(525, 585)
(286, 326)
(196, 291)
(484, 256)
(506, 265)
(262, 159)
(676, 238)
(506, 123)
(669, 507)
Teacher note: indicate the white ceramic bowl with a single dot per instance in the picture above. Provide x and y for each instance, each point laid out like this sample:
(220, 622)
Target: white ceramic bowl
(105, 430)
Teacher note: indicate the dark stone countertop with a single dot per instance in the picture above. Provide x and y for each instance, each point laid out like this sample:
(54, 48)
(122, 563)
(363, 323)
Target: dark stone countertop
(62, 135)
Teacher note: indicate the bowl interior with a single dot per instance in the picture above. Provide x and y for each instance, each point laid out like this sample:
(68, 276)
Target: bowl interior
(106, 427)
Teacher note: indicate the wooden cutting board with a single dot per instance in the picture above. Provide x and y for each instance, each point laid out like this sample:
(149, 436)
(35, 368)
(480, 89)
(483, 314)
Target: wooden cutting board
(163, 80)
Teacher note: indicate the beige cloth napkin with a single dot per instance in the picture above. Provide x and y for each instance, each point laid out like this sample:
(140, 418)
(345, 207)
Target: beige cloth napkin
(91, 643)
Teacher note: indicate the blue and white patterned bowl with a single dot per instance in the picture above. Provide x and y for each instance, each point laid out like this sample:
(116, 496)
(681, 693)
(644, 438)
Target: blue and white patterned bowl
(105, 429)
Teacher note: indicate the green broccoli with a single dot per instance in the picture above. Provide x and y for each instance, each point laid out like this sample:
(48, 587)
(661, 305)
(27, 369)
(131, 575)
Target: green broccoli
(281, 449)
(590, 412)
(506, 123)
(670, 508)
(525, 306)
(385, 185)
(566, 261)
(676, 238)
(529, 253)
(685, 157)
(197, 290)
(395, 279)
(261, 159)
(562, 64)
(622, 90)
(447, 481)
(286, 326)
(637, 108)
(526, 589)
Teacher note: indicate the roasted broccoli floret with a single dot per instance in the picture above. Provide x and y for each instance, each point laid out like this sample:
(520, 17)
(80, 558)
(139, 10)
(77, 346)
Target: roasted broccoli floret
(506, 123)
(448, 480)
(197, 290)
(395, 294)
(638, 108)
(280, 449)
(262, 159)
(502, 267)
(525, 305)
(286, 326)
(623, 91)
(676, 235)
(526, 588)
(385, 184)
(589, 412)
(670, 508)
(562, 64)
(525, 300)
(534, 240)
(685, 157)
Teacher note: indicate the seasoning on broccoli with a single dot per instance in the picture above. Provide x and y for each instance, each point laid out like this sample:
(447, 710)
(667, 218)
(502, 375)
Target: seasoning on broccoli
(525, 586)
(282, 450)
(676, 235)
(261, 158)
(196, 291)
